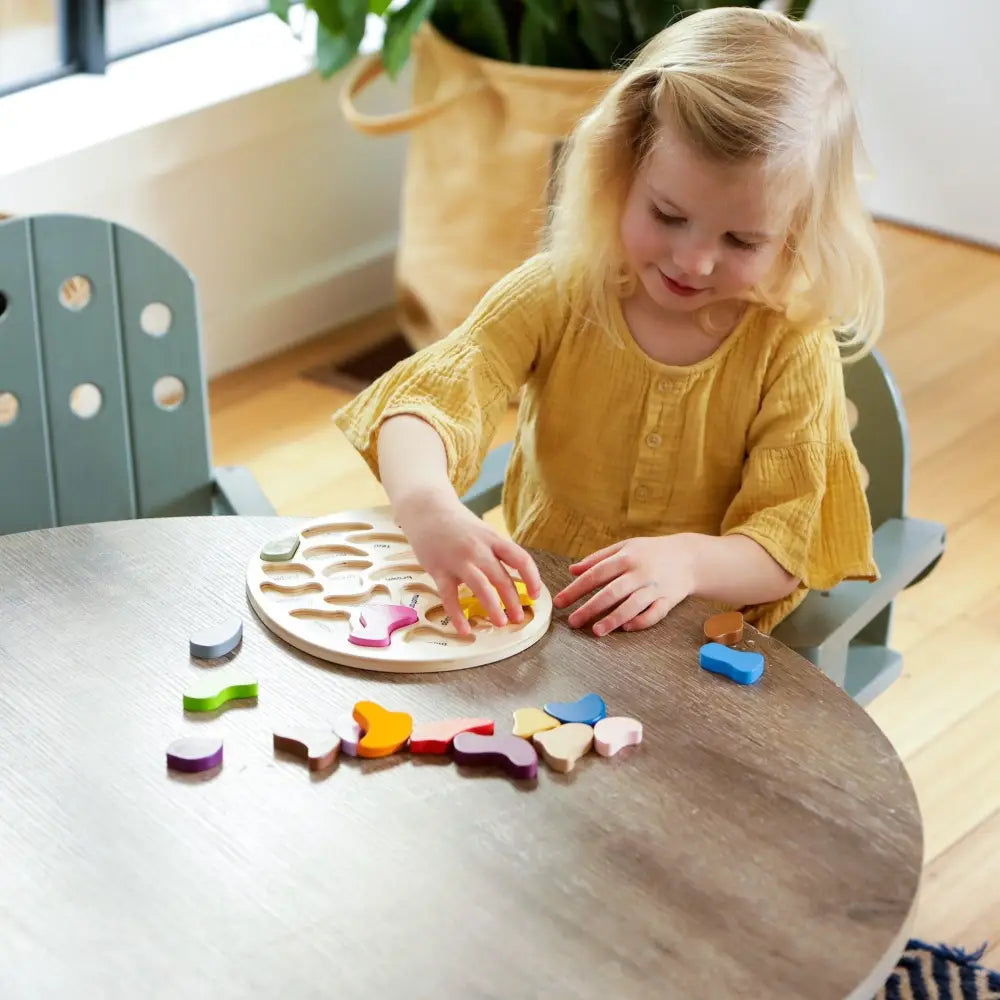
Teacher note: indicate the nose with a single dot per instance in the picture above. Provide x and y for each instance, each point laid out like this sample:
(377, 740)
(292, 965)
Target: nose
(695, 257)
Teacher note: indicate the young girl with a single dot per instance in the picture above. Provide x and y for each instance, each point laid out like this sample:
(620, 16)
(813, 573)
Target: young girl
(683, 425)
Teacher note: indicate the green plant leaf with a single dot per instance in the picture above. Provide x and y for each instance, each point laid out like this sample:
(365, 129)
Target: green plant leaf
(336, 48)
(541, 12)
(531, 45)
(379, 7)
(798, 9)
(480, 25)
(647, 17)
(280, 8)
(400, 27)
(330, 14)
(601, 30)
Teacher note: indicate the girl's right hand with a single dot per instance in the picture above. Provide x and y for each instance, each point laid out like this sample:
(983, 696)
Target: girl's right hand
(454, 546)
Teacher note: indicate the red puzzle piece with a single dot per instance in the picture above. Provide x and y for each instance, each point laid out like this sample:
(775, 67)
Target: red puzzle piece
(436, 737)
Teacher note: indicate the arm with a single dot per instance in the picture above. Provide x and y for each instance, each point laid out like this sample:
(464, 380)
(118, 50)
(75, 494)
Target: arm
(737, 571)
(644, 578)
(449, 541)
(412, 462)
(462, 385)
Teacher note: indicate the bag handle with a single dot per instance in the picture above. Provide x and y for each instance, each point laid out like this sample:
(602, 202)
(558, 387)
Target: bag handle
(366, 72)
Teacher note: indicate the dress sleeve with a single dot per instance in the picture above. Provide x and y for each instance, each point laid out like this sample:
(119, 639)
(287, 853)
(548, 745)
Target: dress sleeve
(801, 495)
(462, 385)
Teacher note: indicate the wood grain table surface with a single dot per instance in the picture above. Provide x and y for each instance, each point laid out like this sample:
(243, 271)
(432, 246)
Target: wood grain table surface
(762, 842)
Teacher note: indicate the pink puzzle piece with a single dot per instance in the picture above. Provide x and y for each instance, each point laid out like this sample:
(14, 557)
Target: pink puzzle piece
(374, 623)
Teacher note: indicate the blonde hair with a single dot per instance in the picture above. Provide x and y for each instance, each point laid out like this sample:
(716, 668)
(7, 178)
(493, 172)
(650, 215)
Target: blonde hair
(742, 85)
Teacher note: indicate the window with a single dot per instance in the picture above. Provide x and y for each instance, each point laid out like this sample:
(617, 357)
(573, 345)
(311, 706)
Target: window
(31, 47)
(134, 25)
(43, 39)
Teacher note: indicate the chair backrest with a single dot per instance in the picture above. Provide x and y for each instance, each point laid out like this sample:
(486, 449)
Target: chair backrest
(102, 392)
(880, 435)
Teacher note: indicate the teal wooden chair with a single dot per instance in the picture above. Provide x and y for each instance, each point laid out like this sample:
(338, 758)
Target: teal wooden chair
(103, 404)
(844, 631)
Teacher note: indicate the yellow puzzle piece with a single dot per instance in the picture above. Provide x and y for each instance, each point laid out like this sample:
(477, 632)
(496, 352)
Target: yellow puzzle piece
(472, 606)
(528, 721)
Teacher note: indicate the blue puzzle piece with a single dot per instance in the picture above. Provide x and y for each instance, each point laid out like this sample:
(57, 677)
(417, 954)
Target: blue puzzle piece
(589, 709)
(737, 665)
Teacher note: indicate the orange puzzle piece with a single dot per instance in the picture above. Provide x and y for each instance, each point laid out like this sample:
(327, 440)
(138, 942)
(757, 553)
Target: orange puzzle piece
(385, 731)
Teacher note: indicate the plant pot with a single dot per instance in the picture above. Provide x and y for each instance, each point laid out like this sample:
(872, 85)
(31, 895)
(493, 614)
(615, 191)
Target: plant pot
(484, 138)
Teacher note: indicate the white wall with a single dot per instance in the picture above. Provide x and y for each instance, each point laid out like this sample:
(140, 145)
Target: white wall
(927, 80)
(287, 217)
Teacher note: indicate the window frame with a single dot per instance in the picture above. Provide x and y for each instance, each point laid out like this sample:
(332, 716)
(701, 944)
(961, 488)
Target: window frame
(83, 41)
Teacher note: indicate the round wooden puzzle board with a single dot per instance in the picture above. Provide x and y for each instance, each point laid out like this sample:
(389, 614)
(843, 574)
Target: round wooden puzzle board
(360, 557)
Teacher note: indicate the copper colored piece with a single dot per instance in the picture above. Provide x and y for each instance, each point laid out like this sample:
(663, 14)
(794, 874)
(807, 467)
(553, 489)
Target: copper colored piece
(726, 628)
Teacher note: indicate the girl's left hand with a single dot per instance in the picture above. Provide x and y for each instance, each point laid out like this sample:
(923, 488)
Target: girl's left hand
(642, 579)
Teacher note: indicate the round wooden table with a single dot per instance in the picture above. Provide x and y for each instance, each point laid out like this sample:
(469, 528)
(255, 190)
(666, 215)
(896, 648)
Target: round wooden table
(762, 841)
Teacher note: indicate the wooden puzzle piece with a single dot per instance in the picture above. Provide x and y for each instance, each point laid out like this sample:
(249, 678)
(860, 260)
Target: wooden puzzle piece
(317, 746)
(528, 721)
(217, 640)
(207, 693)
(564, 746)
(194, 753)
(742, 667)
(725, 628)
(473, 607)
(589, 709)
(436, 737)
(350, 733)
(385, 731)
(615, 733)
(280, 549)
(374, 623)
(516, 756)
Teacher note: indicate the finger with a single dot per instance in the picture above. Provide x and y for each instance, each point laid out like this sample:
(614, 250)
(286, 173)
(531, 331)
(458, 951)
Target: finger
(636, 604)
(520, 559)
(593, 578)
(656, 612)
(480, 585)
(614, 593)
(595, 557)
(497, 575)
(447, 588)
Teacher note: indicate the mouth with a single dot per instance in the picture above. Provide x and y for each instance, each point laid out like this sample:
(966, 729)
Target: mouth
(678, 289)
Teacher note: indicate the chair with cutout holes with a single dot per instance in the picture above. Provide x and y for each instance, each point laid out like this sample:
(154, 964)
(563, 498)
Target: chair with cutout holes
(103, 412)
(844, 631)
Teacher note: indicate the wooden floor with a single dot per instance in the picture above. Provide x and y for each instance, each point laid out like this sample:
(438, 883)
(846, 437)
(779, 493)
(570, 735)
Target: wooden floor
(943, 344)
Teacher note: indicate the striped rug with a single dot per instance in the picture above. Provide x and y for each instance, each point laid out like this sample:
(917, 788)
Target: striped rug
(937, 972)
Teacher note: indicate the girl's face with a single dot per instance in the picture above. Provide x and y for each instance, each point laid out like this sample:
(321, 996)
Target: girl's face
(698, 232)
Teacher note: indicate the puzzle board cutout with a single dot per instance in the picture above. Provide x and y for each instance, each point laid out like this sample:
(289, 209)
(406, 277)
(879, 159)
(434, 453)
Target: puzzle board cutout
(351, 559)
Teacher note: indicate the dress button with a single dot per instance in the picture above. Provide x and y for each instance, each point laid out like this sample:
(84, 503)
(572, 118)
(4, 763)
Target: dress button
(641, 492)
(662, 385)
(654, 440)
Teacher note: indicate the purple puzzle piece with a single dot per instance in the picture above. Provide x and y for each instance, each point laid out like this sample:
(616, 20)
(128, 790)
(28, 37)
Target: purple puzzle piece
(517, 756)
(194, 753)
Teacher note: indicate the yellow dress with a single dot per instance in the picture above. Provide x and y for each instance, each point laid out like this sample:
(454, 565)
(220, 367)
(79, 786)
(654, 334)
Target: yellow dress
(611, 444)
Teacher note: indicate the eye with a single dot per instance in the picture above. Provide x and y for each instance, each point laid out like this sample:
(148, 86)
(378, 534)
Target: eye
(742, 244)
(667, 220)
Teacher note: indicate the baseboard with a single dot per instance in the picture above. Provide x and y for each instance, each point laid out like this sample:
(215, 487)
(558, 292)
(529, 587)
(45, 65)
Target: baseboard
(275, 319)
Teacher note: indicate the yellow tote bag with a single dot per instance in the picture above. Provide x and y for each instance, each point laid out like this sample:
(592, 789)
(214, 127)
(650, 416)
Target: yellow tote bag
(480, 157)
